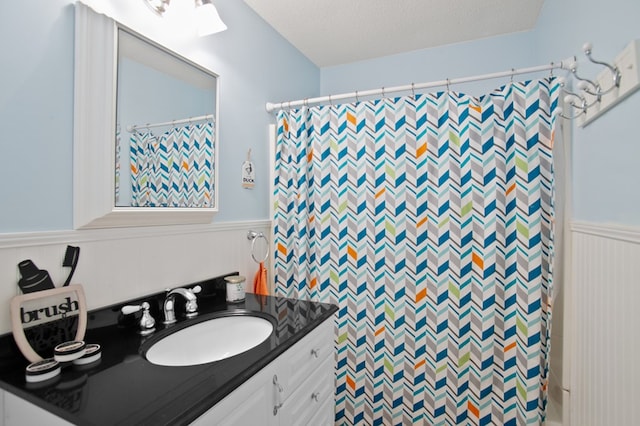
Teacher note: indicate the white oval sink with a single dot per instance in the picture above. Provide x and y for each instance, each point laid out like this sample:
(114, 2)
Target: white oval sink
(210, 340)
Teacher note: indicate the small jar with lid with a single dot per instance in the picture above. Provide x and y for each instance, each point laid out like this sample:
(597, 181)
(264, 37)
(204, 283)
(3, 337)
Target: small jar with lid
(235, 288)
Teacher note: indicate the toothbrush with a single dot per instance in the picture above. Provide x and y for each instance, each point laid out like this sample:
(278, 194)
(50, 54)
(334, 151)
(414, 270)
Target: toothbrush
(71, 259)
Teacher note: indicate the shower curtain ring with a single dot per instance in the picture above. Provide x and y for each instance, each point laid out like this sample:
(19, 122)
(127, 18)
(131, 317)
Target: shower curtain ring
(448, 85)
(513, 70)
(330, 101)
(357, 99)
(383, 95)
(413, 91)
(551, 70)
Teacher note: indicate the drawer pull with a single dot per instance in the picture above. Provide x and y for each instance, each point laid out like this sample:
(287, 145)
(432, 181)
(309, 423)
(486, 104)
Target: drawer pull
(315, 396)
(315, 353)
(275, 382)
(276, 408)
(278, 401)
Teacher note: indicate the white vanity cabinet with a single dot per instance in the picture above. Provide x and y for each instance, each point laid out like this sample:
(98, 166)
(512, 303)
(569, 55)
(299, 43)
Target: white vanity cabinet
(297, 388)
(15, 411)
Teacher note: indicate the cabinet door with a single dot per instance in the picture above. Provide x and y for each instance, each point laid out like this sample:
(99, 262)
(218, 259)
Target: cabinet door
(309, 398)
(250, 404)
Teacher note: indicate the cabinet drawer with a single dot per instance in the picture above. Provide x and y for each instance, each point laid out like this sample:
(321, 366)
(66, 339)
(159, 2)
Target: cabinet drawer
(310, 352)
(326, 414)
(310, 397)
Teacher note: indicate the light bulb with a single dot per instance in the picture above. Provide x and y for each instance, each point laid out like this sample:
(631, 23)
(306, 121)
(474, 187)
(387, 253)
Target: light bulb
(157, 6)
(207, 18)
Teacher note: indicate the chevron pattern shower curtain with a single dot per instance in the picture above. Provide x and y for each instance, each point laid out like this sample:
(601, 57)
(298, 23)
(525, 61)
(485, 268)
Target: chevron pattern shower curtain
(174, 169)
(428, 220)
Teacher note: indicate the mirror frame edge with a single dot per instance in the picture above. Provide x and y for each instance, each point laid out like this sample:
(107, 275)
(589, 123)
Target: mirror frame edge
(94, 123)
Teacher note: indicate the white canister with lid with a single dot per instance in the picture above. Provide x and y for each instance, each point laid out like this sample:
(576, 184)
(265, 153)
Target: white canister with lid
(235, 288)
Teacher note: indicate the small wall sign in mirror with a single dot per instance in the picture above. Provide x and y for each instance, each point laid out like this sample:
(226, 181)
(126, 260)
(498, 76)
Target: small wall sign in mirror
(44, 319)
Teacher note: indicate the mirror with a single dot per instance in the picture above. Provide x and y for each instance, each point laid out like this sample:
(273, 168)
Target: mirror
(145, 130)
(165, 109)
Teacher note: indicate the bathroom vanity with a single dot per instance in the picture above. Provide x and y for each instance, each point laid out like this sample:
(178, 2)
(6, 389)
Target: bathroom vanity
(287, 379)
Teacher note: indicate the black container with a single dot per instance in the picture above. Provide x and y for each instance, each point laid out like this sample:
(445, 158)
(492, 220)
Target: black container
(33, 279)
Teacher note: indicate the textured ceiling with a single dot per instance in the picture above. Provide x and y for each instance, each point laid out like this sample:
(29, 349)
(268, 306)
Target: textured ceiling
(333, 32)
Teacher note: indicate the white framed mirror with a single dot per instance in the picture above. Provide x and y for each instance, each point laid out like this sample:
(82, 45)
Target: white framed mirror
(136, 106)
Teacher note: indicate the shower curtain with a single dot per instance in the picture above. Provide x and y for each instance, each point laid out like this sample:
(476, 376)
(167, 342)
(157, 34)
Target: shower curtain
(174, 169)
(428, 220)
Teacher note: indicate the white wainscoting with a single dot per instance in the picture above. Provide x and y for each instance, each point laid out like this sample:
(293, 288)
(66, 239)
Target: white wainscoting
(605, 372)
(120, 264)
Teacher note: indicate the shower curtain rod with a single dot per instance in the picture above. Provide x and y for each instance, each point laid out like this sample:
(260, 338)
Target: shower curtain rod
(564, 64)
(135, 127)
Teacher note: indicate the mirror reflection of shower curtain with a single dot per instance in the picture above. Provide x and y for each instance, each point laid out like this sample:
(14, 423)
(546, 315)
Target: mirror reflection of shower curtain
(429, 221)
(173, 169)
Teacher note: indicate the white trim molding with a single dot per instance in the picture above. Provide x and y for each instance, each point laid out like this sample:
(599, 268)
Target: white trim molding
(606, 230)
(604, 332)
(45, 238)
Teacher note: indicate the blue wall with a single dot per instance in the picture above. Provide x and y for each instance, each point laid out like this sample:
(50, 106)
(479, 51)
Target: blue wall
(255, 65)
(605, 154)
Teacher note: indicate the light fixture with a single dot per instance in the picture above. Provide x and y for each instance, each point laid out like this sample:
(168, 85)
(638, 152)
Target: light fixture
(206, 15)
(208, 19)
(157, 6)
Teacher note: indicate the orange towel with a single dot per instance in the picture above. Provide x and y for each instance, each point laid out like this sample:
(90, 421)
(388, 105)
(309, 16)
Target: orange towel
(260, 281)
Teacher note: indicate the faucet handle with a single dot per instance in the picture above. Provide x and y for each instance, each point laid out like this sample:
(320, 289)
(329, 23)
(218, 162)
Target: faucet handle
(191, 307)
(147, 323)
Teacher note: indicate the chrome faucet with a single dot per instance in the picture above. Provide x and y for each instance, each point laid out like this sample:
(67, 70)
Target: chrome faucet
(191, 303)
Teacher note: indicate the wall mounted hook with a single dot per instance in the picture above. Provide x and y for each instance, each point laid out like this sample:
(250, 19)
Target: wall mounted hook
(615, 72)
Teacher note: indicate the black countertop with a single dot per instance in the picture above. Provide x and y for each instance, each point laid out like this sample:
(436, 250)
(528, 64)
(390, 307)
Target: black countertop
(126, 389)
